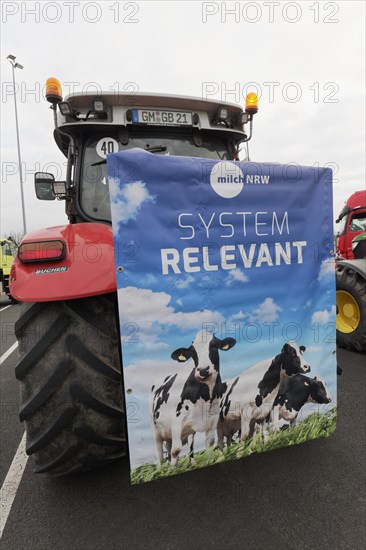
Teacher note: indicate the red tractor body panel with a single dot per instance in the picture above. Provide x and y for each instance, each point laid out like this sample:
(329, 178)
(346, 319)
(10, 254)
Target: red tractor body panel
(356, 204)
(87, 268)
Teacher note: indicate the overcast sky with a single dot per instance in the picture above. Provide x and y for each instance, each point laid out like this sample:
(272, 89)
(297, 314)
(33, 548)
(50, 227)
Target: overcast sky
(306, 61)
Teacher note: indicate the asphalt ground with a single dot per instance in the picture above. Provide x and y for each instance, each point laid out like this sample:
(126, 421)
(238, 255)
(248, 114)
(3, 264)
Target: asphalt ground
(306, 497)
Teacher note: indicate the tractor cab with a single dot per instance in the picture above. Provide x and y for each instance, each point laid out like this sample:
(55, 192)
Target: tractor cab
(89, 127)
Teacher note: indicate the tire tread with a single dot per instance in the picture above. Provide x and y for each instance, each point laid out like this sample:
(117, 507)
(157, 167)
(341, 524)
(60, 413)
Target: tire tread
(46, 437)
(35, 402)
(39, 349)
(83, 396)
(72, 400)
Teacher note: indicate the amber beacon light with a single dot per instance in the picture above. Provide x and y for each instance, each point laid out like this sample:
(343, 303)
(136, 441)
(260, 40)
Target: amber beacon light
(251, 104)
(53, 90)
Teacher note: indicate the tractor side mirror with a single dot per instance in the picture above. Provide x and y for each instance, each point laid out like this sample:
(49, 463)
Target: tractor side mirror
(47, 189)
(43, 182)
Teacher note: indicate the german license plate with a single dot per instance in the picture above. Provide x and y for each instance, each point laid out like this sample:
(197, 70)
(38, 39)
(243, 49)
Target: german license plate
(161, 118)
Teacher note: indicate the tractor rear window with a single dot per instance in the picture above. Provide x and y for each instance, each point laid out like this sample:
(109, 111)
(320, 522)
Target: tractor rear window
(94, 195)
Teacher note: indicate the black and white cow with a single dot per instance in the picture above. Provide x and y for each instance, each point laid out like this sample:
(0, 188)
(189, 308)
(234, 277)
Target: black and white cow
(249, 398)
(188, 401)
(298, 390)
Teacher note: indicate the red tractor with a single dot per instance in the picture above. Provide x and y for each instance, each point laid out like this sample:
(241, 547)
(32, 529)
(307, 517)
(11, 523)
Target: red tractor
(70, 366)
(351, 273)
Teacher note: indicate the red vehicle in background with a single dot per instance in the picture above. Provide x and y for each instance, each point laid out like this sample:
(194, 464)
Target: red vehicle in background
(353, 222)
(351, 274)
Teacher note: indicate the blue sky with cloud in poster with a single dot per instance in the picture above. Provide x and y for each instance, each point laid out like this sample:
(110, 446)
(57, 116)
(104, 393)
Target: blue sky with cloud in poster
(164, 203)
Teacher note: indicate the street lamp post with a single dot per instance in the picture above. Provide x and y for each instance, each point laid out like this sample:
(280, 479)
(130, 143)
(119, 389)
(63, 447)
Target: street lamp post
(15, 65)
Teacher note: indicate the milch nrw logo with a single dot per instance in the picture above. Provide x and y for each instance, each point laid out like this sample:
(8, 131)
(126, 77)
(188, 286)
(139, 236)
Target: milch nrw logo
(227, 179)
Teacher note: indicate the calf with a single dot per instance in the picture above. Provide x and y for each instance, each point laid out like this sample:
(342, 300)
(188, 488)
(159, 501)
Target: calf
(188, 401)
(249, 398)
(296, 391)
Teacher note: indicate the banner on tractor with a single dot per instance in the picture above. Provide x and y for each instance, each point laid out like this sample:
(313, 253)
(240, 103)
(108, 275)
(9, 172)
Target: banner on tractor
(226, 295)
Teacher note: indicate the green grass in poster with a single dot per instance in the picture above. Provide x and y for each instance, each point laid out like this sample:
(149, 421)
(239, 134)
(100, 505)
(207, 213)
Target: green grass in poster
(314, 426)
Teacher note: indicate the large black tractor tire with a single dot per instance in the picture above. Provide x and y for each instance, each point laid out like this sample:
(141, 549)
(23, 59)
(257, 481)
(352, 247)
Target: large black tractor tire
(7, 291)
(351, 309)
(13, 300)
(70, 379)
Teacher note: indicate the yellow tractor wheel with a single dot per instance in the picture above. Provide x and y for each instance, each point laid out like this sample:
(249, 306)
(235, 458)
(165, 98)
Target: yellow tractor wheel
(351, 309)
(348, 312)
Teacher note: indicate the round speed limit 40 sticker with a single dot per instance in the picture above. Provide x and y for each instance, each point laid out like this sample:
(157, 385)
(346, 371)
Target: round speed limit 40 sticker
(106, 146)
